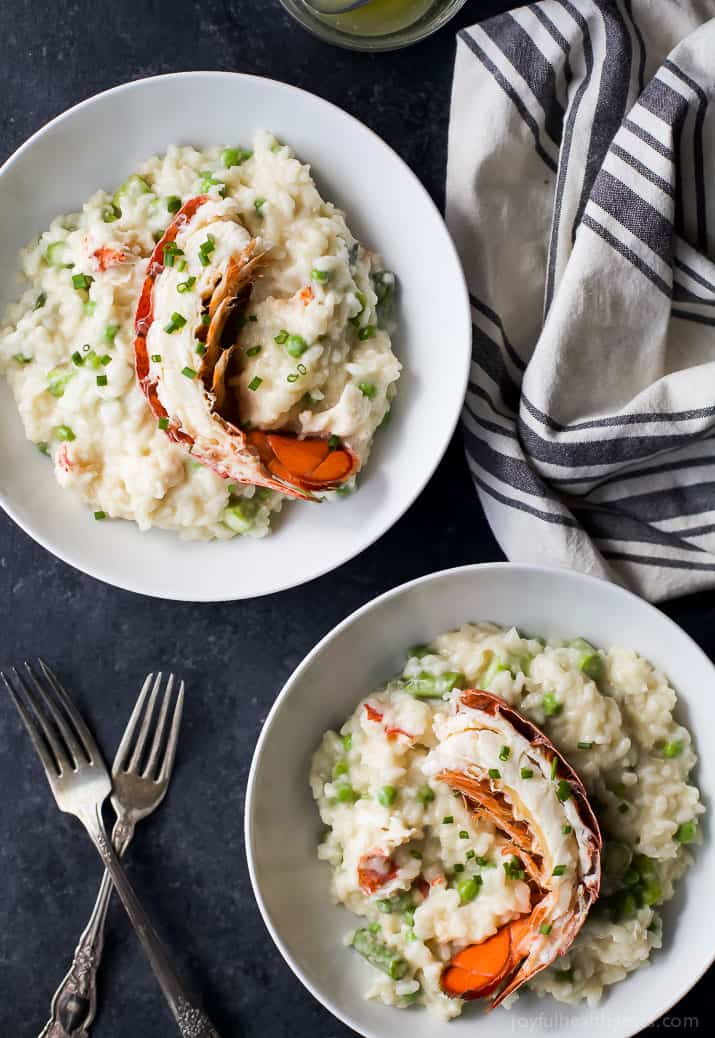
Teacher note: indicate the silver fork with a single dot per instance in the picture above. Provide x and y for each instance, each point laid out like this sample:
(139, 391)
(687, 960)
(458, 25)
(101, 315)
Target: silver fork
(80, 783)
(138, 787)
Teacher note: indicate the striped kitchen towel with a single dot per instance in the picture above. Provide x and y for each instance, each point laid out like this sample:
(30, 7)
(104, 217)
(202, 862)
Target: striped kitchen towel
(581, 195)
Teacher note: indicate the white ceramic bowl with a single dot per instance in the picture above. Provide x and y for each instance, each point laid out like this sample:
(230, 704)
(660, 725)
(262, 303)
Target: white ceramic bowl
(283, 827)
(97, 144)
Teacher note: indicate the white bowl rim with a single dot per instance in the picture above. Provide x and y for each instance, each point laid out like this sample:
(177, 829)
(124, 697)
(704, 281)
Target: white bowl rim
(352, 618)
(69, 557)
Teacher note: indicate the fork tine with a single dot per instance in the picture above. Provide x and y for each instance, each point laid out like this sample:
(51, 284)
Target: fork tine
(159, 733)
(63, 728)
(73, 715)
(124, 746)
(49, 764)
(170, 751)
(49, 748)
(144, 730)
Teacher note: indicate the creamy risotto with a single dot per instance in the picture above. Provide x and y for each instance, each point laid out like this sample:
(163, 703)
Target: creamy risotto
(315, 356)
(453, 880)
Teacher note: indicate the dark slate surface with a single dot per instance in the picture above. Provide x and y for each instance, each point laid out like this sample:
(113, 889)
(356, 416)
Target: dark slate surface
(188, 862)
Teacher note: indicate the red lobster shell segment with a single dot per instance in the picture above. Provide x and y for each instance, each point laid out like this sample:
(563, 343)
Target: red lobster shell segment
(279, 460)
(541, 805)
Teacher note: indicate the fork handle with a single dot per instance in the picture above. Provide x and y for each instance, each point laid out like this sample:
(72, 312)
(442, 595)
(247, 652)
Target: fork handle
(191, 1021)
(74, 1004)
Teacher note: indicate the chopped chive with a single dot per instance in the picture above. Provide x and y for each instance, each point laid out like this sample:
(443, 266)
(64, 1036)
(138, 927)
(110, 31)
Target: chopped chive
(40, 301)
(554, 767)
(101, 380)
(77, 358)
(301, 368)
(171, 252)
(205, 250)
(448, 819)
(173, 203)
(188, 372)
(292, 377)
(163, 423)
(110, 332)
(483, 863)
(458, 867)
(494, 773)
(100, 515)
(545, 929)
(43, 447)
(81, 281)
(463, 834)
(282, 337)
(255, 383)
(471, 854)
(368, 389)
(527, 773)
(559, 870)
(177, 321)
(105, 359)
(347, 741)
(21, 359)
(334, 443)
(258, 205)
(64, 433)
(180, 265)
(89, 307)
(368, 332)
(206, 319)
(186, 286)
(566, 830)
(585, 746)
(200, 349)
(504, 753)
(253, 351)
(320, 275)
(252, 317)
(156, 357)
(513, 869)
(111, 212)
(563, 790)
(416, 854)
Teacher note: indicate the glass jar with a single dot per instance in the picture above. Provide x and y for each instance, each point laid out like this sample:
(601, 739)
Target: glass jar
(379, 25)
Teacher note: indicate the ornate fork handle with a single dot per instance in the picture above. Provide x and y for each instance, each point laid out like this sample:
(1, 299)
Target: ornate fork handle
(192, 1022)
(74, 1004)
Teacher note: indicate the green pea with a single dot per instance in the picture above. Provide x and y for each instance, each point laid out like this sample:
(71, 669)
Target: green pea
(296, 345)
(387, 796)
(550, 705)
(673, 749)
(687, 831)
(468, 888)
(425, 795)
(345, 794)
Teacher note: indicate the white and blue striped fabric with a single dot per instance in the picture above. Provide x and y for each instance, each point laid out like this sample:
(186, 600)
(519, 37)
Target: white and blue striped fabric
(581, 195)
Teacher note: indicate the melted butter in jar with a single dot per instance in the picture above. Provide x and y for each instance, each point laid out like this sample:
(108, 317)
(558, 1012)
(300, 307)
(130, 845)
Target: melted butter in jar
(377, 18)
